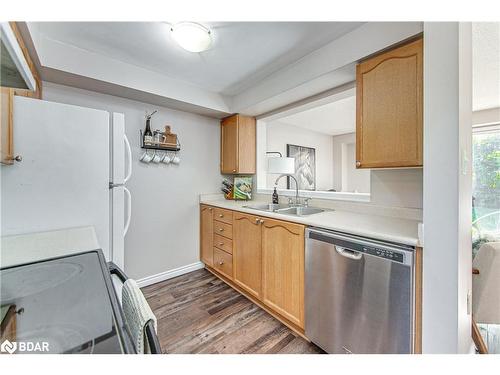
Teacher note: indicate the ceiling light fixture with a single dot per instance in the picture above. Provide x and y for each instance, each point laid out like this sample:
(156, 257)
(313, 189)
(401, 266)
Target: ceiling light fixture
(192, 36)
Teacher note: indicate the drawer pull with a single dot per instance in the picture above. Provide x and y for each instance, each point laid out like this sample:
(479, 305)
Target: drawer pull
(221, 263)
(221, 215)
(221, 229)
(221, 243)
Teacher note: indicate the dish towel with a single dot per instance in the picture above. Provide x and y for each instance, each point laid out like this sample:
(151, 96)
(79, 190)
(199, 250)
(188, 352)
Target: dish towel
(137, 313)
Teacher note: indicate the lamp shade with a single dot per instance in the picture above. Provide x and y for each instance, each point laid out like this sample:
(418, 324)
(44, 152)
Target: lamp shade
(281, 165)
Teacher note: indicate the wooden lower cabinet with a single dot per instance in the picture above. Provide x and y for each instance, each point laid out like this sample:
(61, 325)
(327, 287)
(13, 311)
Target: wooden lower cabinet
(262, 258)
(223, 229)
(223, 243)
(247, 254)
(283, 268)
(224, 216)
(206, 235)
(223, 262)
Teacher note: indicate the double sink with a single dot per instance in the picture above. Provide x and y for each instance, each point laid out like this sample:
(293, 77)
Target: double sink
(287, 209)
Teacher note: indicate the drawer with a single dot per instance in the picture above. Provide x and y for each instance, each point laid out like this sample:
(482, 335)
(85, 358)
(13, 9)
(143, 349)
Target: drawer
(223, 262)
(225, 216)
(223, 229)
(223, 243)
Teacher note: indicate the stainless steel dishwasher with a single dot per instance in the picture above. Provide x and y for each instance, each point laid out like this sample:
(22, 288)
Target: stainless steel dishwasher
(359, 293)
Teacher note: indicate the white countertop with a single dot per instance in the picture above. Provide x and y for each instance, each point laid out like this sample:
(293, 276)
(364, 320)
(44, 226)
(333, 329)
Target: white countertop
(32, 247)
(403, 231)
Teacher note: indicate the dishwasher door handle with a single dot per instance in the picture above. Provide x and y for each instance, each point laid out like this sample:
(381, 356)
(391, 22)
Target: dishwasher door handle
(348, 253)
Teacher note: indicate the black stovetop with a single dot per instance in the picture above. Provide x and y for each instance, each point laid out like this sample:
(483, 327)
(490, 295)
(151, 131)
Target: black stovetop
(68, 302)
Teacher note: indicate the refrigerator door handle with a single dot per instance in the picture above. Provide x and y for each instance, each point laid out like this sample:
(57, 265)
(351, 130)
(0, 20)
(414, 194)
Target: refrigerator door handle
(129, 210)
(129, 157)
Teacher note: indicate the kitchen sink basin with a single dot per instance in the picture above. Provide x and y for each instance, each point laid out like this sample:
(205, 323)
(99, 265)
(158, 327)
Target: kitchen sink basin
(300, 211)
(269, 207)
(286, 209)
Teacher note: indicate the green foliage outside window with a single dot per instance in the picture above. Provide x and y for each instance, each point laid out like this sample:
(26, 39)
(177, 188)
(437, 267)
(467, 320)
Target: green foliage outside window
(486, 188)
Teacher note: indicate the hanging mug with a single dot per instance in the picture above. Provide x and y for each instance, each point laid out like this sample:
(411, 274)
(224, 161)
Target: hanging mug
(146, 157)
(166, 158)
(176, 159)
(157, 157)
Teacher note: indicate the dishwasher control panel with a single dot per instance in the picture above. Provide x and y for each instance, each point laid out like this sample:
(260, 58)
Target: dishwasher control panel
(384, 253)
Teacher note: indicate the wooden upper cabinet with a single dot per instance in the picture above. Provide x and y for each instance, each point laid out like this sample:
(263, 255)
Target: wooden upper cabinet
(283, 268)
(238, 145)
(229, 145)
(206, 235)
(247, 258)
(389, 107)
(7, 155)
(6, 126)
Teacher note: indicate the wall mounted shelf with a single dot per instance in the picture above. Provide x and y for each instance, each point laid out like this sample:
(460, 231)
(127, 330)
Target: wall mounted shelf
(159, 146)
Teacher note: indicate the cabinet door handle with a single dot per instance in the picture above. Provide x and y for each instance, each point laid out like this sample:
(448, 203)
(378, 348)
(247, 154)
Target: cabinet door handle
(234, 170)
(358, 163)
(221, 244)
(257, 221)
(221, 263)
(221, 215)
(261, 221)
(210, 209)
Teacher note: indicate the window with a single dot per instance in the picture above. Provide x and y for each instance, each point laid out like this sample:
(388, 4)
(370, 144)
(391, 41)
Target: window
(486, 207)
(486, 185)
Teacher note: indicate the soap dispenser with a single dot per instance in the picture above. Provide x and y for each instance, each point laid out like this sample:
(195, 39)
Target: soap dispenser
(275, 196)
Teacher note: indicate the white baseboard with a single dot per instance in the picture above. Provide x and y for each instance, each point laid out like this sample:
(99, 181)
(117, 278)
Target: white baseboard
(162, 276)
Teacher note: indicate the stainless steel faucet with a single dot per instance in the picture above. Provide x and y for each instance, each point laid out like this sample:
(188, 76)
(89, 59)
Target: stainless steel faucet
(296, 185)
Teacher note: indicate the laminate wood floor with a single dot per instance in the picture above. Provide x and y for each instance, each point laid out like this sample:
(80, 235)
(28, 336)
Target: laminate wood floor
(198, 313)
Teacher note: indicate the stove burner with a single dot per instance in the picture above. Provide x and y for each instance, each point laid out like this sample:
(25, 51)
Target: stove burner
(17, 283)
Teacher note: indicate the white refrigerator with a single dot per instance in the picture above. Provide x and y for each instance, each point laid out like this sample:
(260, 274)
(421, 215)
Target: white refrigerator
(75, 163)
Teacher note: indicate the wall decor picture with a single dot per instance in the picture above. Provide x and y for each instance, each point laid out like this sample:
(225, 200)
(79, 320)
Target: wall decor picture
(305, 167)
(243, 188)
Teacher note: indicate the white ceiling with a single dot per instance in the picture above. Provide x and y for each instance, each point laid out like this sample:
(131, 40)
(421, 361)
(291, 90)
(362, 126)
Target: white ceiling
(338, 117)
(486, 65)
(242, 53)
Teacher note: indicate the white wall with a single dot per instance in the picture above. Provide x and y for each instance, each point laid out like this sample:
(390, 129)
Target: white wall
(447, 251)
(354, 180)
(397, 187)
(345, 175)
(280, 134)
(164, 231)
